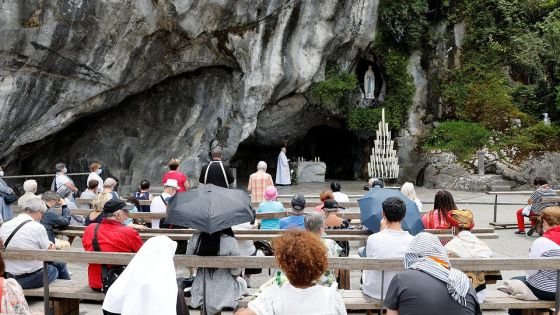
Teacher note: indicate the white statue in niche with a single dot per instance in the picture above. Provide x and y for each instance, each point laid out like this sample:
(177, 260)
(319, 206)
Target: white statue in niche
(369, 83)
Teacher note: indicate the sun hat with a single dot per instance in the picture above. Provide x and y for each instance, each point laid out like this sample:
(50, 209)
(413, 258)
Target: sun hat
(270, 193)
(171, 183)
(462, 219)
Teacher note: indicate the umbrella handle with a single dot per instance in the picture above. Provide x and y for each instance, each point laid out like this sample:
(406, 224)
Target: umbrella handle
(204, 312)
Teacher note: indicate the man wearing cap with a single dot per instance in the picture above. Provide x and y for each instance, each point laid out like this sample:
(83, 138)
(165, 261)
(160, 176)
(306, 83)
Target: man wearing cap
(159, 203)
(112, 236)
(30, 235)
(296, 220)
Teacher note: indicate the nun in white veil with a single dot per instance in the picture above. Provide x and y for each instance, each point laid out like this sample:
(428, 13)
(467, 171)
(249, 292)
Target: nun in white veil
(147, 286)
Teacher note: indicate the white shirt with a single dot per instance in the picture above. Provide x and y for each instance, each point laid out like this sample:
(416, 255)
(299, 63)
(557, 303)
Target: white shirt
(158, 206)
(540, 245)
(288, 300)
(61, 180)
(93, 175)
(246, 248)
(418, 204)
(340, 197)
(385, 244)
(31, 236)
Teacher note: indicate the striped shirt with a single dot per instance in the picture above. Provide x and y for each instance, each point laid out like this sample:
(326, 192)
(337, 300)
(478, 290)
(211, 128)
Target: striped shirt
(257, 184)
(545, 280)
(542, 192)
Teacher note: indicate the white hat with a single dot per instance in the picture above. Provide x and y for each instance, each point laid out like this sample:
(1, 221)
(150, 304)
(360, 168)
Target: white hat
(171, 183)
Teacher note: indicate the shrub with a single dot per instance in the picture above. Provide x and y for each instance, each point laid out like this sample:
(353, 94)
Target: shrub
(536, 138)
(404, 21)
(462, 138)
(335, 91)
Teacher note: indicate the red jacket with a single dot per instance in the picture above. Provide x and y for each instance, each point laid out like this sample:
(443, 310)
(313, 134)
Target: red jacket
(112, 237)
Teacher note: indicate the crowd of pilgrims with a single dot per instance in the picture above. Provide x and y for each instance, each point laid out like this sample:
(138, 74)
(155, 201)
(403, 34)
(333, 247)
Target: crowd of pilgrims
(303, 285)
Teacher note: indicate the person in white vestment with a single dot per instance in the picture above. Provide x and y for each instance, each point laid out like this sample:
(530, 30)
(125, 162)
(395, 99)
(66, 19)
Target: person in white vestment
(283, 169)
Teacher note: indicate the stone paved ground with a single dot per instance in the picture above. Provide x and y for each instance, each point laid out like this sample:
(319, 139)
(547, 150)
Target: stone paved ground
(508, 244)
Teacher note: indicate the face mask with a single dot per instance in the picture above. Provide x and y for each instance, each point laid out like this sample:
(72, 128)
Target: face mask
(64, 170)
(98, 171)
(1, 173)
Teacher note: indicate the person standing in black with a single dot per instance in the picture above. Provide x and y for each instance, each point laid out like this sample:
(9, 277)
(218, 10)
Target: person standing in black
(216, 172)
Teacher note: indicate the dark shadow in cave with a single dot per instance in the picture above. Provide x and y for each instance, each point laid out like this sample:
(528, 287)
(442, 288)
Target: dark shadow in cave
(337, 147)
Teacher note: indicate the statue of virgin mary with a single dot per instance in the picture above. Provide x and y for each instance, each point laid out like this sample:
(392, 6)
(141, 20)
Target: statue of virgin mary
(369, 83)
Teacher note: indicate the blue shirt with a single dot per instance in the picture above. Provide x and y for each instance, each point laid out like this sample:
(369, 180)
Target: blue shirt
(270, 207)
(293, 222)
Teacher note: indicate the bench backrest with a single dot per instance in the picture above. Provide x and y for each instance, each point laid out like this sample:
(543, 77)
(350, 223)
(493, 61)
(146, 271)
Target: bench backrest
(488, 264)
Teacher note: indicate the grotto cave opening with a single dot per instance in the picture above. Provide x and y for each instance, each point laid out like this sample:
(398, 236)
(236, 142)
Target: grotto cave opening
(337, 146)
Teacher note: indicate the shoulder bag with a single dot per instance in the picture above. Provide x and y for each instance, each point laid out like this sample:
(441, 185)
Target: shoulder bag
(108, 275)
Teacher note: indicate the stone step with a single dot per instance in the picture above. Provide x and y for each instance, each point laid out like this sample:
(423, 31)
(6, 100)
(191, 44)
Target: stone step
(502, 182)
(500, 188)
(494, 177)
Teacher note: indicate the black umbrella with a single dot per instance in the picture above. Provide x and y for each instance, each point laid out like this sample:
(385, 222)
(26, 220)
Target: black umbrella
(210, 209)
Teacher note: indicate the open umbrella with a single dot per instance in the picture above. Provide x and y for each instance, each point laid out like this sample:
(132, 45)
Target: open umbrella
(372, 212)
(210, 209)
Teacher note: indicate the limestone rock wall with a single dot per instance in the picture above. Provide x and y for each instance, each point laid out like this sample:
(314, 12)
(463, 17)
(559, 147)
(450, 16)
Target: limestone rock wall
(132, 83)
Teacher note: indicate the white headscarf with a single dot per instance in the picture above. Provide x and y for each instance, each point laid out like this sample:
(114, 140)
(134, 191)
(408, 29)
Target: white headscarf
(424, 252)
(148, 285)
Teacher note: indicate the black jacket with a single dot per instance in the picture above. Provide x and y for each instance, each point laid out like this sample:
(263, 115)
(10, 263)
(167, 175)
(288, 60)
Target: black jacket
(215, 175)
(51, 218)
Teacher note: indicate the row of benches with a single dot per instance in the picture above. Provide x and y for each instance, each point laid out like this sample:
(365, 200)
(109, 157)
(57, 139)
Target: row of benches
(70, 292)
(267, 235)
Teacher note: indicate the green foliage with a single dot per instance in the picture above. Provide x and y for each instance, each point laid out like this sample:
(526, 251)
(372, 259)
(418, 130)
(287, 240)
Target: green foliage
(404, 21)
(459, 137)
(335, 91)
(536, 138)
(400, 88)
(398, 97)
(364, 119)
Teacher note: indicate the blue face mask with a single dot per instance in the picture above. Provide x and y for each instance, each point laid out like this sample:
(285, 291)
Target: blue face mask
(98, 171)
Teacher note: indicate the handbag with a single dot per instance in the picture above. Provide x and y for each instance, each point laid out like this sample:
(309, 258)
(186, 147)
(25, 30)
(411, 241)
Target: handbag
(9, 198)
(108, 275)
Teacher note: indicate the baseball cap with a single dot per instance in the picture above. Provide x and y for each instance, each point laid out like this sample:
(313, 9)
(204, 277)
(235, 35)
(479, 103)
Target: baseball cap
(113, 206)
(330, 204)
(298, 202)
(171, 183)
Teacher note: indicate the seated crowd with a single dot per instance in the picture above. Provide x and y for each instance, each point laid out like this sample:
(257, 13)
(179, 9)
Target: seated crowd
(428, 285)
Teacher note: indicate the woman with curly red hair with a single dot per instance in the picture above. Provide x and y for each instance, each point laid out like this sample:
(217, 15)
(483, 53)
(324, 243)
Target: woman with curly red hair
(303, 258)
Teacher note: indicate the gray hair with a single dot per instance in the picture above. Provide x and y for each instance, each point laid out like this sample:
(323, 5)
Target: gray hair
(261, 166)
(314, 221)
(30, 185)
(216, 153)
(109, 183)
(59, 167)
(35, 205)
(49, 196)
(370, 181)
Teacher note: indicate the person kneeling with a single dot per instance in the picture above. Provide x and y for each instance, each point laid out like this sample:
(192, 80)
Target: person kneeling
(303, 258)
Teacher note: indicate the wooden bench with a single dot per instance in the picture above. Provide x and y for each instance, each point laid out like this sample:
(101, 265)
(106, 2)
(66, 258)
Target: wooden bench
(69, 290)
(354, 300)
(256, 235)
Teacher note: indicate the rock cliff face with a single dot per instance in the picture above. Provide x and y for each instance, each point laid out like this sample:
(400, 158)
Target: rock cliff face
(133, 83)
